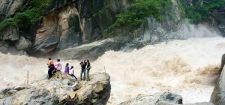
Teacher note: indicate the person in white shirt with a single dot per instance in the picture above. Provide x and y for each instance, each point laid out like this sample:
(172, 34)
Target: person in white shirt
(58, 68)
(58, 65)
(71, 72)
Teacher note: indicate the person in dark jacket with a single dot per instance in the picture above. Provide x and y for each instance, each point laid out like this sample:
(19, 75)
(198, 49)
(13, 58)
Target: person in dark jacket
(51, 70)
(83, 66)
(88, 67)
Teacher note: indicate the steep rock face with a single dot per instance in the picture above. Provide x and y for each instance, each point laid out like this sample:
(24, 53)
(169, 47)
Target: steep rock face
(218, 19)
(70, 23)
(60, 29)
(60, 91)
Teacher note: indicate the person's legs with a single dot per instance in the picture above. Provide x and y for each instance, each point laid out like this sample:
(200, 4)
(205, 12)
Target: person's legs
(88, 78)
(81, 74)
(84, 71)
(49, 73)
(73, 76)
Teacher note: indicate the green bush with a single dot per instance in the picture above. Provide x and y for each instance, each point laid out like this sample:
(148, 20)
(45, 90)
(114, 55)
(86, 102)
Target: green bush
(29, 16)
(136, 12)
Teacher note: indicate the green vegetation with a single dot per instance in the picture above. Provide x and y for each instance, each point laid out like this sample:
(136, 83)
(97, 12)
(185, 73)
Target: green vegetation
(199, 10)
(137, 11)
(29, 16)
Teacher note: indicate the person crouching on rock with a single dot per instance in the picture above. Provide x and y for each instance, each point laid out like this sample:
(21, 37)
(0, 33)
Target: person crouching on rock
(58, 68)
(67, 69)
(71, 72)
(83, 66)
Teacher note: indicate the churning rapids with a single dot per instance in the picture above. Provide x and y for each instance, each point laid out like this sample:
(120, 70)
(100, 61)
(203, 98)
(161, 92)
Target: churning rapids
(187, 67)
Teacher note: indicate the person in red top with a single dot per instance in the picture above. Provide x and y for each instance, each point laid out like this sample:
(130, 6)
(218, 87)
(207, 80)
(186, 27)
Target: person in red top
(51, 68)
(50, 62)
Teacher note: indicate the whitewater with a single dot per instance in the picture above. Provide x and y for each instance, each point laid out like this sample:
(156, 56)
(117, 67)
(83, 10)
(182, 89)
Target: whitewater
(186, 67)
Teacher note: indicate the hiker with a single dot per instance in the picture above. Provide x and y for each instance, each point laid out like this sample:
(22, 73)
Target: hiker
(83, 65)
(51, 70)
(67, 68)
(51, 67)
(58, 68)
(71, 72)
(88, 67)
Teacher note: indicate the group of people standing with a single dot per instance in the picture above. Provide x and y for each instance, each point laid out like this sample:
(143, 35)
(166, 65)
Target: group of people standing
(55, 68)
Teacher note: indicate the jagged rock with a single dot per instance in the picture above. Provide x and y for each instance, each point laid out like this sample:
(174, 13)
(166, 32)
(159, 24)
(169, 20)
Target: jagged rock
(23, 44)
(218, 95)
(58, 91)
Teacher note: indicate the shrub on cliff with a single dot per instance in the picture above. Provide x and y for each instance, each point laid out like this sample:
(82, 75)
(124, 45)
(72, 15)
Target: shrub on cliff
(28, 16)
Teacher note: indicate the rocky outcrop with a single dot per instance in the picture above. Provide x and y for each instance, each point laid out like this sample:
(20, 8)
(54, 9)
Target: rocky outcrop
(219, 91)
(165, 98)
(60, 91)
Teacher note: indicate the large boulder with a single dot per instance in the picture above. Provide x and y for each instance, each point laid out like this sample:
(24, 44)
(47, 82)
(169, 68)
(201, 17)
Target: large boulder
(23, 44)
(165, 98)
(60, 91)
